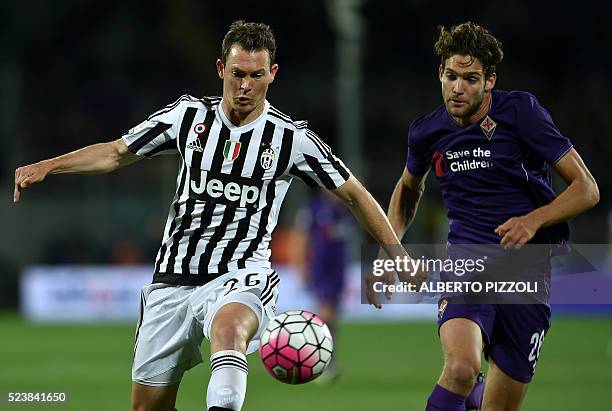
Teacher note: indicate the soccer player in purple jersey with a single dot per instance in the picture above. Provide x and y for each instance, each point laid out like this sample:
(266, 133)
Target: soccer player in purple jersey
(324, 228)
(491, 152)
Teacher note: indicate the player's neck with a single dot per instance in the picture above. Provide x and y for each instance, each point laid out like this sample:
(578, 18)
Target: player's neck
(240, 119)
(483, 109)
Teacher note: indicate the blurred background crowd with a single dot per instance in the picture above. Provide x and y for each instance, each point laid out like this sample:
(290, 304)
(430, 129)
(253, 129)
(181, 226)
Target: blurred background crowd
(73, 73)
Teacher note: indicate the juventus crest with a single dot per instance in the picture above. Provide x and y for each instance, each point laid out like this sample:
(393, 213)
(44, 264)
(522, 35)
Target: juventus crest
(267, 158)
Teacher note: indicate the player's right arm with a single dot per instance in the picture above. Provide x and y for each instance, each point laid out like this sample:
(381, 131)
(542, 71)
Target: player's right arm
(411, 184)
(93, 159)
(405, 201)
(154, 136)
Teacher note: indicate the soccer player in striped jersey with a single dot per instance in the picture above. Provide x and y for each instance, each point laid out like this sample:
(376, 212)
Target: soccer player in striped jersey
(212, 275)
(492, 152)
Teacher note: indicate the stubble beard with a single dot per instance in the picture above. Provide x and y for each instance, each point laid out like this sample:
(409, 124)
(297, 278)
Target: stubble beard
(470, 110)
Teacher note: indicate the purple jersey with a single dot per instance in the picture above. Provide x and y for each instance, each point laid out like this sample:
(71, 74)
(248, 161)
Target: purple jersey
(492, 170)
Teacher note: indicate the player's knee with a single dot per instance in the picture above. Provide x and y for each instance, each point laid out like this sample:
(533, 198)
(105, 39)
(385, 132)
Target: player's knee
(140, 403)
(462, 372)
(148, 398)
(145, 405)
(230, 335)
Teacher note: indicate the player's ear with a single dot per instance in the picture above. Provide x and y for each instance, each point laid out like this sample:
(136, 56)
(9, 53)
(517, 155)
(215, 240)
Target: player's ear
(440, 71)
(220, 68)
(490, 82)
(273, 71)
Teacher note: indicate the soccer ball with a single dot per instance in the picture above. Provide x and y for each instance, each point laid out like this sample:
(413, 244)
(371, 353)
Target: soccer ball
(296, 347)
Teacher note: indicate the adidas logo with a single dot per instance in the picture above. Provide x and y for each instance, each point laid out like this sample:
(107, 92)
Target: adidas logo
(195, 145)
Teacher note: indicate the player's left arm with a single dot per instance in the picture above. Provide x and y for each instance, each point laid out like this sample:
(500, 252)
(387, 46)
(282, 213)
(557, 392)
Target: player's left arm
(372, 218)
(316, 165)
(367, 211)
(580, 195)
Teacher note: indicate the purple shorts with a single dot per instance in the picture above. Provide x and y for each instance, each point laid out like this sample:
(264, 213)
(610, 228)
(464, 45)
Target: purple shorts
(513, 334)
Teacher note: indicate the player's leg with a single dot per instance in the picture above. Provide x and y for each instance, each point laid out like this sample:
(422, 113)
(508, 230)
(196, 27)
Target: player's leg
(167, 344)
(232, 317)
(513, 352)
(502, 392)
(233, 327)
(328, 282)
(328, 312)
(147, 398)
(464, 330)
(474, 399)
(462, 346)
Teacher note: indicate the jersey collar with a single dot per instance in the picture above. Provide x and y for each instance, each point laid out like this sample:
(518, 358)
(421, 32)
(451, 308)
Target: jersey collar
(247, 126)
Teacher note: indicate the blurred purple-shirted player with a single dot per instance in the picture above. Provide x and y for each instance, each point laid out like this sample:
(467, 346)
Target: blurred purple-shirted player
(324, 230)
(492, 152)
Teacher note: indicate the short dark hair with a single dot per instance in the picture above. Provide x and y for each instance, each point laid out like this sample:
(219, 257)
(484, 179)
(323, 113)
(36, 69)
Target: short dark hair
(470, 39)
(251, 37)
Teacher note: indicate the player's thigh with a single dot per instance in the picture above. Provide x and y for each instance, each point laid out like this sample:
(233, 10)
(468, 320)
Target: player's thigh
(240, 292)
(462, 346)
(233, 326)
(502, 392)
(168, 336)
(461, 340)
(148, 398)
(517, 339)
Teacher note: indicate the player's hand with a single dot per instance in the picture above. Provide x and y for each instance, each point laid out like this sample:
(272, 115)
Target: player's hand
(387, 278)
(28, 175)
(417, 278)
(517, 231)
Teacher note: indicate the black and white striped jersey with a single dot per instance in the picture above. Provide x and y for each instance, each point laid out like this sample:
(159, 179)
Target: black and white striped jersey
(231, 183)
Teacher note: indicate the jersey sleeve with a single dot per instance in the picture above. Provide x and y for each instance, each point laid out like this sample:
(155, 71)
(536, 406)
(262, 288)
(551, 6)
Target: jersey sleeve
(417, 162)
(316, 164)
(157, 134)
(536, 128)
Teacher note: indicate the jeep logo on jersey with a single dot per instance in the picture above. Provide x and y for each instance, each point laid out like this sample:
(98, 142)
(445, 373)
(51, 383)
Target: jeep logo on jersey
(267, 158)
(231, 150)
(223, 189)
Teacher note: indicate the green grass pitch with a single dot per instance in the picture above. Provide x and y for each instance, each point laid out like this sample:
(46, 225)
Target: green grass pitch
(384, 366)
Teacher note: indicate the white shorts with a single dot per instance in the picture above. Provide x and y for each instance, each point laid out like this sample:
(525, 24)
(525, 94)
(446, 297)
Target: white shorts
(174, 319)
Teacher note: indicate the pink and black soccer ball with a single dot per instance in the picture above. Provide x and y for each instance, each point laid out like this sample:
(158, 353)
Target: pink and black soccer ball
(296, 347)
